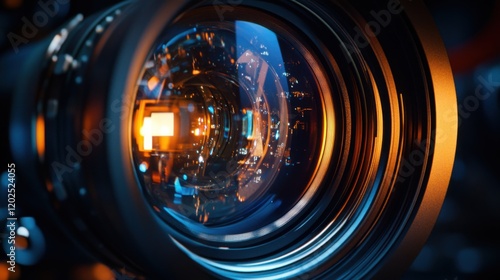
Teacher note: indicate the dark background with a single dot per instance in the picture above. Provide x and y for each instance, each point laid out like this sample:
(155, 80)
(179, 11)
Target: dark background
(465, 243)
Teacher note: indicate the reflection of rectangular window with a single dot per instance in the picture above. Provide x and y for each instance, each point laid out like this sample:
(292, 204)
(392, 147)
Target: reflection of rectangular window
(159, 124)
(247, 124)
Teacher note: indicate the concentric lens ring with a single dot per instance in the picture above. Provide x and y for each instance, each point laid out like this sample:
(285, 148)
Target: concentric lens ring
(350, 164)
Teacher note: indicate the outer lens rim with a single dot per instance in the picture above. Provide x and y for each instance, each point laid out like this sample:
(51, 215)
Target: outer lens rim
(142, 222)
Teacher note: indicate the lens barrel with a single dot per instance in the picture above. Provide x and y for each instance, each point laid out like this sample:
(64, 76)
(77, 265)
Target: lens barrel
(248, 140)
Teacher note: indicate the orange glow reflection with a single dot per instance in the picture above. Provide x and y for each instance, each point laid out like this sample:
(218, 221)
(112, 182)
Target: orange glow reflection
(40, 136)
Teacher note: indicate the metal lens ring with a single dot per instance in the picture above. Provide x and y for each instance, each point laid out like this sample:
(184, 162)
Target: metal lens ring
(244, 98)
(276, 140)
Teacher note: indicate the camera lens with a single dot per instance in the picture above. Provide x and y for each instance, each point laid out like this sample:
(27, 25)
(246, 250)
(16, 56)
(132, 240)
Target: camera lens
(248, 140)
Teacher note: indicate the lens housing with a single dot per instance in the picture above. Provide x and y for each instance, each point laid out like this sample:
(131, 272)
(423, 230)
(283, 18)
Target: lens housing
(380, 137)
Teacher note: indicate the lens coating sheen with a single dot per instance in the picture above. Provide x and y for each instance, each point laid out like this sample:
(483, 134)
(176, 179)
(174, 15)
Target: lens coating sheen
(227, 126)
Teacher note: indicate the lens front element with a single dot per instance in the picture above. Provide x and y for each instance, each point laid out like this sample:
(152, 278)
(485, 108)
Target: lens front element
(226, 125)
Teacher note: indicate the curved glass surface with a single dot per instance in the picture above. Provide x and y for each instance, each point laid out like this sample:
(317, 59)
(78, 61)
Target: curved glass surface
(227, 125)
